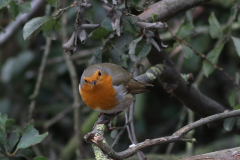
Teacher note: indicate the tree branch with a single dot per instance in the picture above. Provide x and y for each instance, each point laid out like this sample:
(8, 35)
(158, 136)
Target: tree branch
(74, 81)
(100, 141)
(39, 78)
(232, 153)
(78, 55)
(166, 9)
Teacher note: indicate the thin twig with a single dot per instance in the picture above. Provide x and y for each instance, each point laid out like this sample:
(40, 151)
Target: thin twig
(147, 4)
(199, 78)
(80, 54)
(119, 135)
(131, 110)
(128, 128)
(56, 118)
(39, 78)
(182, 116)
(180, 61)
(190, 134)
(200, 54)
(3, 153)
(76, 102)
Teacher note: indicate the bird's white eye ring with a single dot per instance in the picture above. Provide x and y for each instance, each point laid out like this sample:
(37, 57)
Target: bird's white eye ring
(99, 73)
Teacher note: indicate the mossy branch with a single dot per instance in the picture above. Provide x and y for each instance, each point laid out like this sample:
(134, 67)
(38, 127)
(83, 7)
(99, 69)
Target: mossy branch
(100, 142)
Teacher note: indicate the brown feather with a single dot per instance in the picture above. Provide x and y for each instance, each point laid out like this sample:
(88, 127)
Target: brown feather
(135, 87)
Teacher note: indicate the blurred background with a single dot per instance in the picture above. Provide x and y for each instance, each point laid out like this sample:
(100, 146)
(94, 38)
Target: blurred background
(156, 114)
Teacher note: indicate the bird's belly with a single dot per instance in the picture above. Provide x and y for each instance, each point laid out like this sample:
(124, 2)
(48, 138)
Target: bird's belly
(101, 99)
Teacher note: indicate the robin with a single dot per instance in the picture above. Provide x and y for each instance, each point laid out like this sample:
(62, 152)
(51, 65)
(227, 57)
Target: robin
(108, 88)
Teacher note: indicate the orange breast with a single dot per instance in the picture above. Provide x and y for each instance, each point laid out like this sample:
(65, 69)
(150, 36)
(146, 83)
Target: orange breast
(101, 96)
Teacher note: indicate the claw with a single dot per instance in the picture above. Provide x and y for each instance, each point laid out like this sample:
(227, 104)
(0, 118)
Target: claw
(88, 137)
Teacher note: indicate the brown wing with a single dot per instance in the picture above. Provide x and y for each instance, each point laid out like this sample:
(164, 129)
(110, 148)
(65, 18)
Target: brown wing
(135, 87)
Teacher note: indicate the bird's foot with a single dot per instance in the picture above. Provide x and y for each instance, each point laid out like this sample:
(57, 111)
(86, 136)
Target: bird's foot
(88, 137)
(103, 118)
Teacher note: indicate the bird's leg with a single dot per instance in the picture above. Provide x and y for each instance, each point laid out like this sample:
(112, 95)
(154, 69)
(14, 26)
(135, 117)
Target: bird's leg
(103, 118)
(100, 114)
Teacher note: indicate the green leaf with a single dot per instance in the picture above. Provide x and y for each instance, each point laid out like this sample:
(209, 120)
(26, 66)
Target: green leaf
(4, 158)
(229, 123)
(47, 24)
(236, 107)
(53, 3)
(3, 137)
(13, 9)
(9, 124)
(215, 28)
(9, 69)
(2, 29)
(213, 56)
(226, 29)
(24, 7)
(236, 42)
(124, 58)
(114, 134)
(27, 153)
(97, 56)
(154, 16)
(30, 136)
(106, 23)
(123, 40)
(132, 5)
(133, 57)
(89, 122)
(40, 158)
(189, 17)
(145, 49)
(33, 27)
(51, 28)
(238, 2)
(89, 16)
(116, 56)
(22, 61)
(188, 52)
(99, 33)
(4, 3)
(133, 45)
(12, 139)
(185, 30)
(239, 17)
(130, 24)
(234, 11)
(238, 122)
(114, 121)
(232, 98)
(3, 119)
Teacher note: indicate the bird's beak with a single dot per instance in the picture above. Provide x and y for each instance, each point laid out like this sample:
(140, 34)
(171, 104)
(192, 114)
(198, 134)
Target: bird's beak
(94, 83)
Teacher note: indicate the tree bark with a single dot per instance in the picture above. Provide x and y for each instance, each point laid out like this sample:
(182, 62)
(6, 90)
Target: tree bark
(227, 154)
(167, 9)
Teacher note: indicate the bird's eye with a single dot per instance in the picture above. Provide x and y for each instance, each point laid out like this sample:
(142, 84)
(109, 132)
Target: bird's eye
(99, 73)
(85, 80)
